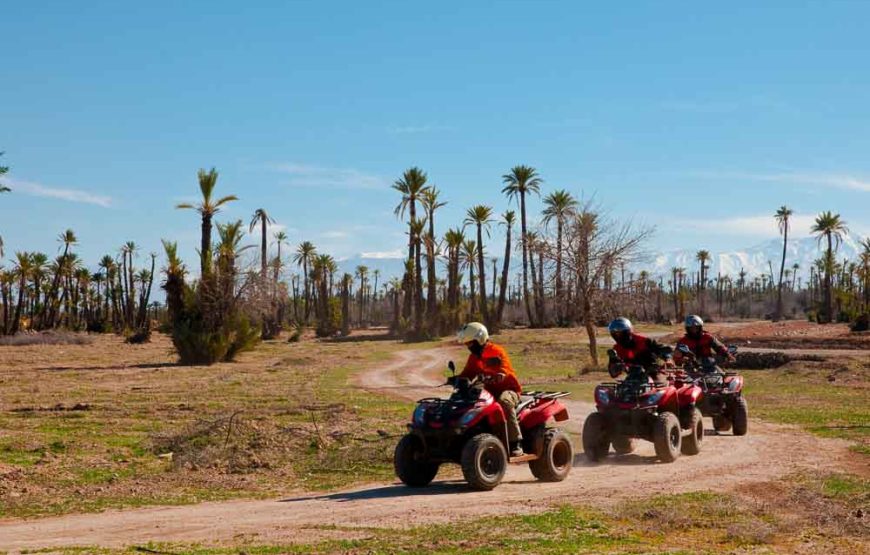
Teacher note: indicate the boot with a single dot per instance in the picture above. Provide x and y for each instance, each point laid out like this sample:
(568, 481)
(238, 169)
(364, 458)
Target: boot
(516, 449)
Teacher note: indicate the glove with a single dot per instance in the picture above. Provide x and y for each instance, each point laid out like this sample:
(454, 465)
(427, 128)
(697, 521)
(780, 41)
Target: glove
(451, 380)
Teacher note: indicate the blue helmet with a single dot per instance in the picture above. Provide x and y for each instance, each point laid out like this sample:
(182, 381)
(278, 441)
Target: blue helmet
(619, 325)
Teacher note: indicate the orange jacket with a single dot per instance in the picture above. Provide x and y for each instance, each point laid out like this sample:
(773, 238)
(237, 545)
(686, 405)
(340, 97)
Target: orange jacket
(484, 364)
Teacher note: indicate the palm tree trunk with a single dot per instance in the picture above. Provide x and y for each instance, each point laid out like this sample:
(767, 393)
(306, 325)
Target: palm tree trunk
(829, 292)
(525, 259)
(560, 312)
(781, 272)
(263, 262)
(504, 277)
(484, 306)
(418, 287)
(432, 296)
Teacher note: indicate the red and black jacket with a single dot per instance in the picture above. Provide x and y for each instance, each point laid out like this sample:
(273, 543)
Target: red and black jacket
(704, 346)
(642, 350)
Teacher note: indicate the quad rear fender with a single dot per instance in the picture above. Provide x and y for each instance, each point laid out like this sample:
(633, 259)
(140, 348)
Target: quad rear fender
(542, 413)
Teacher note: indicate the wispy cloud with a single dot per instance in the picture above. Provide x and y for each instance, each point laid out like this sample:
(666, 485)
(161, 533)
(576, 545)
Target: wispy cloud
(761, 226)
(835, 180)
(383, 255)
(71, 195)
(335, 234)
(304, 175)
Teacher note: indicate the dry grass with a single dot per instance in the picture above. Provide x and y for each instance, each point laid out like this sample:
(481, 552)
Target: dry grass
(283, 417)
(45, 338)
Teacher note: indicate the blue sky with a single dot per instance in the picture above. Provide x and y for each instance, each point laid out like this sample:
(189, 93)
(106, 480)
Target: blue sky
(698, 119)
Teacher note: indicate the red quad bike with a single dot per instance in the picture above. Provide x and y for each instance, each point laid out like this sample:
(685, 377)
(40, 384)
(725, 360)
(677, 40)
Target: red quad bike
(635, 408)
(722, 392)
(469, 428)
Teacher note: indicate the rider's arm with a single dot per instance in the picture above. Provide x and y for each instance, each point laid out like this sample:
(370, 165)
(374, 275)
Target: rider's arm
(720, 348)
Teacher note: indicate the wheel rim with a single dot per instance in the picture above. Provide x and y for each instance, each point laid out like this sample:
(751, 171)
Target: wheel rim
(490, 462)
(561, 455)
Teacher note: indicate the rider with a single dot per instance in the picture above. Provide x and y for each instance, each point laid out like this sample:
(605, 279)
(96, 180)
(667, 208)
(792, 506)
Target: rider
(633, 348)
(700, 342)
(492, 360)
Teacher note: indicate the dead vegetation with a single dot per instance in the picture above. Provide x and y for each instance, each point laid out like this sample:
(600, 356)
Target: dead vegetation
(50, 337)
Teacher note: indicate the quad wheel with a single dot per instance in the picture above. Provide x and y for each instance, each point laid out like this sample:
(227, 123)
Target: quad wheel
(623, 445)
(691, 444)
(741, 416)
(721, 423)
(556, 458)
(596, 442)
(410, 462)
(667, 437)
(484, 461)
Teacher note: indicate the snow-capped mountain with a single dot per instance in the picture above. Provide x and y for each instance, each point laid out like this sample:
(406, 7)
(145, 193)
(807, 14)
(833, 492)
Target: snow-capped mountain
(757, 259)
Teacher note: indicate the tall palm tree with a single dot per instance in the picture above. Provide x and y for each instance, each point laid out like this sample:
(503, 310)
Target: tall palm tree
(523, 180)
(453, 239)
(3, 188)
(783, 223)
(280, 239)
(469, 260)
(362, 274)
(52, 305)
(830, 227)
(508, 220)
(412, 186)
(207, 208)
(305, 253)
(430, 201)
(702, 256)
(23, 269)
(865, 262)
(417, 227)
(481, 216)
(559, 205)
(263, 219)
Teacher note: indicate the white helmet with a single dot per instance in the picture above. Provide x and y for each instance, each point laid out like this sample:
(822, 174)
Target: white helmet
(472, 331)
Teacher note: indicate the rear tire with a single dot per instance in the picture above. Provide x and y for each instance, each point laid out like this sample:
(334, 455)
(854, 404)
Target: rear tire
(667, 437)
(556, 457)
(411, 466)
(721, 423)
(596, 442)
(741, 416)
(623, 445)
(484, 461)
(692, 443)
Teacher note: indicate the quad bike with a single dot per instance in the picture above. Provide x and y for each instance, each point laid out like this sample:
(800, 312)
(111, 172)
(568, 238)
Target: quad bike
(469, 428)
(722, 391)
(635, 408)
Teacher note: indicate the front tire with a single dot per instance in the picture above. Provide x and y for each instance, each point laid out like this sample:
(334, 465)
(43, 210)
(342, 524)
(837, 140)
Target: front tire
(623, 445)
(556, 457)
(721, 423)
(484, 462)
(692, 443)
(410, 462)
(741, 416)
(596, 442)
(667, 437)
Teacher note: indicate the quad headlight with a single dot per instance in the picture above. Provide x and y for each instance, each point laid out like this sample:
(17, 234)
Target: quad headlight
(419, 415)
(602, 396)
(654, 398)
(468, 417)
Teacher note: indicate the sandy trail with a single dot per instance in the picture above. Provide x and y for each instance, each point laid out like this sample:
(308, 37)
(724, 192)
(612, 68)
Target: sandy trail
(769, 451)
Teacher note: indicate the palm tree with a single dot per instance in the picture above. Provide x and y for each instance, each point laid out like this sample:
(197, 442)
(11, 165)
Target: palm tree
(830, 227)
(412, 185)
(429, 198)
(362, 273)
(865, 262)
(305, 253)
(794, 274)
(469, 260)
(207, 208)
(508, 221)
(453, 239)
(52, 305)
(417, 231)
(702, 256)
(280, 239)
(3, 189)
(782, 221)
(261, 217)
(523, 180)
(23, 269)
(481, 216)
(559, 205)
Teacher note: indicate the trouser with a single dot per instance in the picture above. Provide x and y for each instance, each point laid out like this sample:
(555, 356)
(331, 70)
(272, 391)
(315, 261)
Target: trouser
(509, 401)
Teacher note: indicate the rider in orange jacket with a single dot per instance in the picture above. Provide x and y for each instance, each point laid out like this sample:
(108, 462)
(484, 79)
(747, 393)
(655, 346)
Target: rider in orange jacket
(490, 359)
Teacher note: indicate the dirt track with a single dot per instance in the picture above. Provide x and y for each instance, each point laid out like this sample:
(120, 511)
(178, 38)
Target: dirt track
(767, 452)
